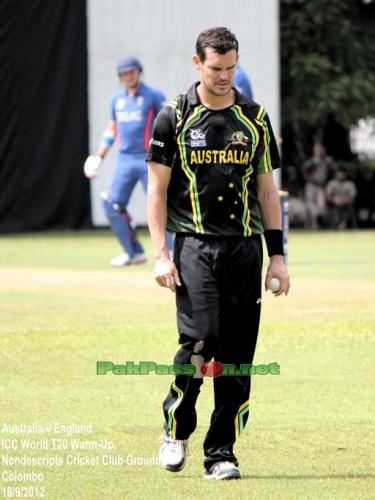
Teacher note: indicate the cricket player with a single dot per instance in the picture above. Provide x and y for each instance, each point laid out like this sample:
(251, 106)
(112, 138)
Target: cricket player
(133, 110)
(211, 159)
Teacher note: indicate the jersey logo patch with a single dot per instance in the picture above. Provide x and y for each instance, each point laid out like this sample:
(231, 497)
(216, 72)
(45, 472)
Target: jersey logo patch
(239, 138)
(120, 103)
(198, 138)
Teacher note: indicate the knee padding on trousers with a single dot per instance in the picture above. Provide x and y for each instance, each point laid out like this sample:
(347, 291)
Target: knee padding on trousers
(191, 347)
(113, 210)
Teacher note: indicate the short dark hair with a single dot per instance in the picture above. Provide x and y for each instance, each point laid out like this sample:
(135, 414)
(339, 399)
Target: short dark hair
(341, 169)
(221, 40)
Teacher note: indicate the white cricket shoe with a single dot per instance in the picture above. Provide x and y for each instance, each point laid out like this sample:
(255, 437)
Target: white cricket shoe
(223, 470)
(121, 260)
(139, 258)
(173, 453)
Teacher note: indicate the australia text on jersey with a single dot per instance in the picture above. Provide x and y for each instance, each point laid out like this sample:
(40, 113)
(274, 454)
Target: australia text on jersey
(215, 156)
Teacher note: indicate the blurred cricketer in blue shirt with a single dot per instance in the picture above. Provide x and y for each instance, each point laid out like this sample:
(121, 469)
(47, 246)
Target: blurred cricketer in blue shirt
(133, 111)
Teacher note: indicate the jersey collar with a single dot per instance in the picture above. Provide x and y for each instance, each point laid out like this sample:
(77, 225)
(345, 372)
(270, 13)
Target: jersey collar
(193, 97)
(139, 90)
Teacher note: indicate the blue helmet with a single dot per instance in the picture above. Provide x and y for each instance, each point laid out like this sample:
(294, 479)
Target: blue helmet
(127, 63)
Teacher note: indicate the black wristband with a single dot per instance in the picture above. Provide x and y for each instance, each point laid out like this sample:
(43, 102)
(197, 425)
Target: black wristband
(274, 241)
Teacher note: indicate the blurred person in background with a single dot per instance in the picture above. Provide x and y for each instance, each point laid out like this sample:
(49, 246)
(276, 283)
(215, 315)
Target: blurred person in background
(133, 111)
(297, 205)
(340, 195)
(242, 82)
(316, 171)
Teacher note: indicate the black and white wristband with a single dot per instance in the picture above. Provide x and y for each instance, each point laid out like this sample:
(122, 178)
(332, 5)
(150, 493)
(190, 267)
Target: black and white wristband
(274, 242)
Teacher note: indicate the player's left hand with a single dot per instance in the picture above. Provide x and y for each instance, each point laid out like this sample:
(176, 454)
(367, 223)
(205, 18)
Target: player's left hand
(166, 274)
(278, 269)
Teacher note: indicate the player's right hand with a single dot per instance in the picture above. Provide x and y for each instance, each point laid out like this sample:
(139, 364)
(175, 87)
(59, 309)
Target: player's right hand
(166, 274)
(91, 166)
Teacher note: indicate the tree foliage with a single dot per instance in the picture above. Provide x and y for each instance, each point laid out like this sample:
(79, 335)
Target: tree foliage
(327, 64)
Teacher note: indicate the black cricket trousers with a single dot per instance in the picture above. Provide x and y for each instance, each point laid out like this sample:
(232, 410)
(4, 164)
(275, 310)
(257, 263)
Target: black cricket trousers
(218, 312)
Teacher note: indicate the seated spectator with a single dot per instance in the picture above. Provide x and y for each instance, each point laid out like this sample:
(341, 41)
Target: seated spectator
(340, 196)
(316, 171)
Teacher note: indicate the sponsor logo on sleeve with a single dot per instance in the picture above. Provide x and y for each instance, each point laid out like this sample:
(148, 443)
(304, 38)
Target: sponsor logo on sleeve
(157, 143)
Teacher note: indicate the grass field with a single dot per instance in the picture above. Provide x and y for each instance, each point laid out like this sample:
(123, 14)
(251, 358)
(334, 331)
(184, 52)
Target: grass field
(311, 431)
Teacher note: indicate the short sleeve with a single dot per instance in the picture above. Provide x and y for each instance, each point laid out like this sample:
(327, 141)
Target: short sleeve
(162, 146)
(266, 157)
(352, 189)
(159, 100)
(329, 187)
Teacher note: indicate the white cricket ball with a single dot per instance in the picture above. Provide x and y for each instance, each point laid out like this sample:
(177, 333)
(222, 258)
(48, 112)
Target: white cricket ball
(274, 284)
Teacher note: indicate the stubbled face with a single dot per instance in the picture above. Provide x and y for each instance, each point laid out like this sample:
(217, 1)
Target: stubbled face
(217, 71)
(130, 78)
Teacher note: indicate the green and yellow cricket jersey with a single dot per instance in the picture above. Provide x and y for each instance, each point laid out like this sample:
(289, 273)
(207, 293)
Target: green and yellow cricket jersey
(215, 157)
